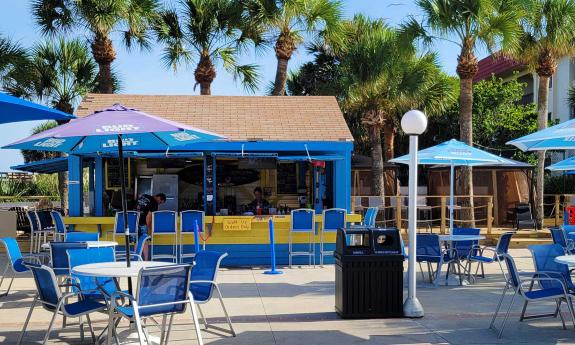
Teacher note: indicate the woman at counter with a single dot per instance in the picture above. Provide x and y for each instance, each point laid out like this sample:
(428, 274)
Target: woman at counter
(259, 205)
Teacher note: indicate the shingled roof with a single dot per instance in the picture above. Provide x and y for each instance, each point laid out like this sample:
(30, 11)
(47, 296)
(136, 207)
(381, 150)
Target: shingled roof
(240, 118)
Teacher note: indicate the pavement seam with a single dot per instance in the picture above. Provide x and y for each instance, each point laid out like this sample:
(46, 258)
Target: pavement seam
(264, 307)
(432, 331)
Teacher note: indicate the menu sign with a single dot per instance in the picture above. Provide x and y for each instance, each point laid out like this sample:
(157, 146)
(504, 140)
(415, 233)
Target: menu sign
(237, 224)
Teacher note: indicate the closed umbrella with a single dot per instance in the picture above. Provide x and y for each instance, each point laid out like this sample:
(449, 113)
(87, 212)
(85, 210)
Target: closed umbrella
(14, 109)
(454, 153)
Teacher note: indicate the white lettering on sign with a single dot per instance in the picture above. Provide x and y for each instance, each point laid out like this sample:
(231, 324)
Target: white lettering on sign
(461, 152)
(51, 143)
(184, 136)
(569, 139)
(125, 142)
(117, 128)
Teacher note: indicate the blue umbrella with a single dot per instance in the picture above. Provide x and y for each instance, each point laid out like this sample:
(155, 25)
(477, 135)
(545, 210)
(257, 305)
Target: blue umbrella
(454, 153)
(558, 137)
(14, 109)
(564, 165)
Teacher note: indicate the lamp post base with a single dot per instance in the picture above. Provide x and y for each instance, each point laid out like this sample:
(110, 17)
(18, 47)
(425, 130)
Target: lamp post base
(412, 308)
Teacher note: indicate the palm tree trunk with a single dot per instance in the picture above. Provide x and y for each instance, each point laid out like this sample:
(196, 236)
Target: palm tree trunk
(466, 135)
(104, 54)
(205, 74)
(377, 161)
(63, 190)
(281, 77)
(542, 95)
(105, 80)
(389, 132)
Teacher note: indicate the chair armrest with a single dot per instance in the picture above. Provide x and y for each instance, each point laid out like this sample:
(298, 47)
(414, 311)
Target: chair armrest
(540, 279)
(203, 282)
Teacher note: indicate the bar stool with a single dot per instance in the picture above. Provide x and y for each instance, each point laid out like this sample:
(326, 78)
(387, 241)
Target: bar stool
(302, 221)
(119, 228)
(188, 221)
(332, 219)
(164, 224)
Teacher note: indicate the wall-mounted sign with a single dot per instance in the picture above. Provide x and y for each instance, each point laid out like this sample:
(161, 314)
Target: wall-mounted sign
(237, 224)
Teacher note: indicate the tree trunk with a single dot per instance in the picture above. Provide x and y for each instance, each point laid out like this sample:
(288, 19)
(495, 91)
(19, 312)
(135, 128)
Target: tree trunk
(206, 88)
(466, 135)
(281, 78)
(285, 46)
(205, 74)
(389, 132)
(104, 54)
(63, 190)
(377, 161)
(542, 95)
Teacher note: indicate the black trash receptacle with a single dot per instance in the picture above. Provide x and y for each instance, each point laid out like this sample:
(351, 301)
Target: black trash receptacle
(368, 273)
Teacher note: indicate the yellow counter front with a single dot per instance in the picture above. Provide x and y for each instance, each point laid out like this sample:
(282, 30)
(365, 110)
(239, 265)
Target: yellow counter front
(244, 238)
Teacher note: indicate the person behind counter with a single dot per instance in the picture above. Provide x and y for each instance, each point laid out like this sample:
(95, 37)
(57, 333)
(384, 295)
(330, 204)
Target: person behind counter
(259, 203)
(147, 204)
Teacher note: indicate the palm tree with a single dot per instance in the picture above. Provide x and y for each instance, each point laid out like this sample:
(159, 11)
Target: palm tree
(59, 73)
(287, 22)
(209, 32)
(547, 36)
(384, 77)
(471, 24)
(13, 58)
(100, 18)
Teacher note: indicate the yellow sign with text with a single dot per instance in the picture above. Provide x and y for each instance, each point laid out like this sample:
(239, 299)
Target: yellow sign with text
(237, 224)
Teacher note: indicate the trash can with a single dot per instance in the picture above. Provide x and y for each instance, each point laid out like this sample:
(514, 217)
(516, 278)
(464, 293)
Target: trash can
(368, 273)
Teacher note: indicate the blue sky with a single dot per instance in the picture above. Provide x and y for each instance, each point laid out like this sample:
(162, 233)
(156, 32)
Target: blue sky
(143, 72)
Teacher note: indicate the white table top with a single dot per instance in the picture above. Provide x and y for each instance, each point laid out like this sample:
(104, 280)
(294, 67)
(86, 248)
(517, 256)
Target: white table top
(566, 259)
(116, 269)
(90, 244)
(456, 238)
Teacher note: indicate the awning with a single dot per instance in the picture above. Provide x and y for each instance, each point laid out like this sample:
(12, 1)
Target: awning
(325, 158)
(46, 166)
(244, 154)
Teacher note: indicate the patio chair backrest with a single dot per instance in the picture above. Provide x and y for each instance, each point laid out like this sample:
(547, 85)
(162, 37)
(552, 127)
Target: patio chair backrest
(558, 236)
(207, 264)
(33, 220)
(78, 236)
(59, 256)
(370, 216)
(512, 272)
(14, 253)
(85, 256)
(140, 245)
(503, 242)
(189, 219)
(48, 292)
(133, 222)
(58, 222)
(333, 219)
(44, 219)
(464, 247)
(163, 290)
(544, 259)
(428, 245)
(303, 220)
(523, 211)
(164, 222)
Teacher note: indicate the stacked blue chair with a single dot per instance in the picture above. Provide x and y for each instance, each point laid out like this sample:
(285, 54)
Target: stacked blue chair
(429, 250)
(78, 236)
(60, 228)
(302, 222)
(164, 225)
(188, 221)
(332, 219)
(52, 300)
(162, 291)
(120, 229)
(203, 283)
(481, 258)
(15, 264)
(370, 216)
(547, 288)
(138, 253)
(37, 235)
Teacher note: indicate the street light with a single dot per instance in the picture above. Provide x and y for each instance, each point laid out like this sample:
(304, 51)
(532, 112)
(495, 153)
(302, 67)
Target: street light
(413, 123)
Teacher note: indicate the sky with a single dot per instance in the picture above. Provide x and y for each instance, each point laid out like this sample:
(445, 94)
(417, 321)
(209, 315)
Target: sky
(144, 73)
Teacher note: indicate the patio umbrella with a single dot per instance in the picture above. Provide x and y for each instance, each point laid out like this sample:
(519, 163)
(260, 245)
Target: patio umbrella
(110, 131)
(14, 109)
(558, 137)
(453, 153)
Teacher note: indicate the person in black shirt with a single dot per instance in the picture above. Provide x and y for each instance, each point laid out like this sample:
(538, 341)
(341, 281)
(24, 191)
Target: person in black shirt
(147, 204)
(259, 202)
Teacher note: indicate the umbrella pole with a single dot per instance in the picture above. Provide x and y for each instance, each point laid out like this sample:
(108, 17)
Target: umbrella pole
(124, 201)
(451, 197)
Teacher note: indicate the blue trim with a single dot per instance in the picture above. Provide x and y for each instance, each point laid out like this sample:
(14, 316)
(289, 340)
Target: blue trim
(99, 186)
(215, 185)
(75, 197)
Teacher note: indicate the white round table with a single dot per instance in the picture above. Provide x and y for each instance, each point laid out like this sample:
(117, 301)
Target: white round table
(568, 260)
(459, 238)
(116, 269)
(89, 244)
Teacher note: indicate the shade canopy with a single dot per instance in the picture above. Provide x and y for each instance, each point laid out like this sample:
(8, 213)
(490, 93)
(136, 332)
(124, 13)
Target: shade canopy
(454, 152)
(558, 137)
(564, 165)
(98, 133)
(14, 109)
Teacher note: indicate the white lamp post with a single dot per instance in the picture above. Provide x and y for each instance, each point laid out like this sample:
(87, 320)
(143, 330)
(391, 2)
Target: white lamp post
(413, 123)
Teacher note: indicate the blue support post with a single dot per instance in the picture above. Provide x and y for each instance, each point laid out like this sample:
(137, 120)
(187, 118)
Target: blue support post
(75, 197)
(196, 236)
(91, 189)
(272, 250)
(342, 181)
(99, 187)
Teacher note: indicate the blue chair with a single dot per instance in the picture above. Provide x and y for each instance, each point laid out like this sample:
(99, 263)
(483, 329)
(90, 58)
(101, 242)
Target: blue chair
(370, 216)
(79, 236)
(430, 251)
(119, 228)
(138, 252)
(60, 228)
(15, 264)
(332, 219)
(162, 290)
(544, 260)
(203, 282)
(549, 288)
(559, 237)
(480, 258)
(164, 225)
(59, 256)
(51, 299)
(465, 249)
(37, 235)
(302, 222)
(101, 287)
(188, 221)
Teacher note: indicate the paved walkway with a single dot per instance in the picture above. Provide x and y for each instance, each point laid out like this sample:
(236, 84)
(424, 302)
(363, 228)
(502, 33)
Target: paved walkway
(297, 308)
